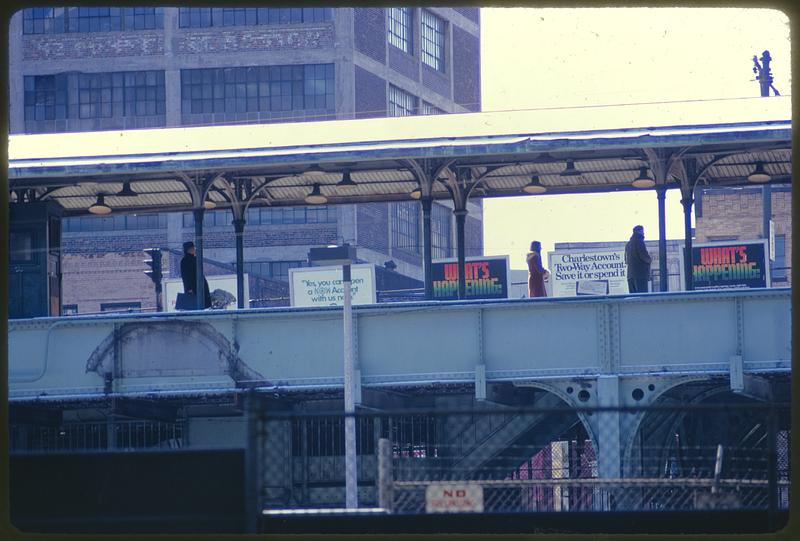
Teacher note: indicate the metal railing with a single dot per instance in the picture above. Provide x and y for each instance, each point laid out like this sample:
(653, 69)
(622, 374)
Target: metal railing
(105, 435)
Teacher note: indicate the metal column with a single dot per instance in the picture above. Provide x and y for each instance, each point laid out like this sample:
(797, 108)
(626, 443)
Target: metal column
(427, 254)
(661, 192)
(766, 200)
(238, 226)
(200, 289)
(687, 235)
(461, 218)
(609, 460)
(252, 484)
(350, 459)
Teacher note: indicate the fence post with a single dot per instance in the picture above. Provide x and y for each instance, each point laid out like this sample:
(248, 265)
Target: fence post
(252, 483)
(385, 481)
(772, 467)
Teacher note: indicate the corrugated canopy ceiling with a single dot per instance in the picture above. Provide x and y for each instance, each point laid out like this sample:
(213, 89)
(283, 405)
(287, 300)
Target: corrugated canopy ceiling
(480, 154)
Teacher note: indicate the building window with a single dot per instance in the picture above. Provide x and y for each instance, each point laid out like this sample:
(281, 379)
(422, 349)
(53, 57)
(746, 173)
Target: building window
(214, 218)
(257, 88)
(401, 103)
(45, 97)
(779, 269)
(432, 40)
(89, 19)
(21, 247)
(120, 307)
(400, 29)
(205, 17)
(119, 222)
(94, 95)
(322, 214)
(274, 270)
(430, 109)
(441, 231)
(69, 310)
(405, 227)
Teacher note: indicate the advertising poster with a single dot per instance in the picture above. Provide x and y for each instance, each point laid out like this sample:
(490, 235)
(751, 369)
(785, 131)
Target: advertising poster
(730, 265)
(486, 278)
(221, 286)
(322, 286)
(585, 272)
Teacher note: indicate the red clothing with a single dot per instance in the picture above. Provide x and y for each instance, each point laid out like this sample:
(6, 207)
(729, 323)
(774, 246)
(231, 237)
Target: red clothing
(536, 275)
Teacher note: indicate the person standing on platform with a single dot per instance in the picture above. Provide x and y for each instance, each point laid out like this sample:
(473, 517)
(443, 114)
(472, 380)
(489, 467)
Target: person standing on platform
(638, 261)
(537, 274)
(189, 272)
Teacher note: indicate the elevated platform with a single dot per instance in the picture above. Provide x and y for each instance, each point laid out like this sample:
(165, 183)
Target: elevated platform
(692, 334)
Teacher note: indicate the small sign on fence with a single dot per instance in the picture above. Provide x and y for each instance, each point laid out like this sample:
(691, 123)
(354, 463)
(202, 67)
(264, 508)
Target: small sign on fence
(453, 498)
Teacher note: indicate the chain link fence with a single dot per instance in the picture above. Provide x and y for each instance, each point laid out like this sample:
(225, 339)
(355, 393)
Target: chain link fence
(545, 459)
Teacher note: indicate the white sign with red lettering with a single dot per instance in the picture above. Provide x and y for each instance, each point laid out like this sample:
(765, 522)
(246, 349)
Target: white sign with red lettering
(454, 498)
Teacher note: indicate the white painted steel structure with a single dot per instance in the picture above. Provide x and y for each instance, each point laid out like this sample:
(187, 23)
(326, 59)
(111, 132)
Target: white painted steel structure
(693, 334)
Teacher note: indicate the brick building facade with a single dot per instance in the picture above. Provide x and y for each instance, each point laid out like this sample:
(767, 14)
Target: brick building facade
(723, 214)
(87, 69)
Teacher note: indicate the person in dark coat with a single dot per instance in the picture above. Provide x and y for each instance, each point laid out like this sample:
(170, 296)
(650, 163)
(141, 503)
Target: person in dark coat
(189, 272)
(537, 274)
(638, 261)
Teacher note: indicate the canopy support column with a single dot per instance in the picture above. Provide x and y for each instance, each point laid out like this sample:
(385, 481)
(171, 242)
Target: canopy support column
(661, 192)
(687, 202)
(461, 218)
(240, 293)
(766, 206)
(427, 254)
(200, 288)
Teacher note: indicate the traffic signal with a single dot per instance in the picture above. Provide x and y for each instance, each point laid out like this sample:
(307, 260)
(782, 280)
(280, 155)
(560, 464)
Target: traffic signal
(155, 266)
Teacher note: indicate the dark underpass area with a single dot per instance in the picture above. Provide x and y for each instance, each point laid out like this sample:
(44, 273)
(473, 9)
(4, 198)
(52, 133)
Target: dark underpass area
(150, 492)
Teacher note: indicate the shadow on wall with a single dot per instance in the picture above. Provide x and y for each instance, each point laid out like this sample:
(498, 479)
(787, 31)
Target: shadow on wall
(170, 348)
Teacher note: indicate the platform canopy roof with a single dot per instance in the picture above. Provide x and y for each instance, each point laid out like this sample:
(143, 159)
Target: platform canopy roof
(571, 150)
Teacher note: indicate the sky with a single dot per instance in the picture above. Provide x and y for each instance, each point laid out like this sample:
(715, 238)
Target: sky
(533, 58)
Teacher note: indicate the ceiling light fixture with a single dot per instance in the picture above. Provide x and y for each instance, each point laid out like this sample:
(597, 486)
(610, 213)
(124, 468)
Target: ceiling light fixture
(313, 171)
(643, 181)
(569, 170)
(416, 193)
(759, 174)
(346, 180)
(126, 190)
(208, 204)
(534, 186)
(315, 197)
(99, 206)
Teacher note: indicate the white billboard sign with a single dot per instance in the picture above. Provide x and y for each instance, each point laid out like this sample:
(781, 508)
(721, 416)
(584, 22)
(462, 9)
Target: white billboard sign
(454, 498)
(588, 272)
(221, 286)
(322, 286)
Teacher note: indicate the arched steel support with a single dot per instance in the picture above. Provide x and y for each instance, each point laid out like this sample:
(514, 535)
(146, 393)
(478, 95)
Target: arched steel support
(426, 172)
(661, 164)
(461, 184)
(198, 187)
